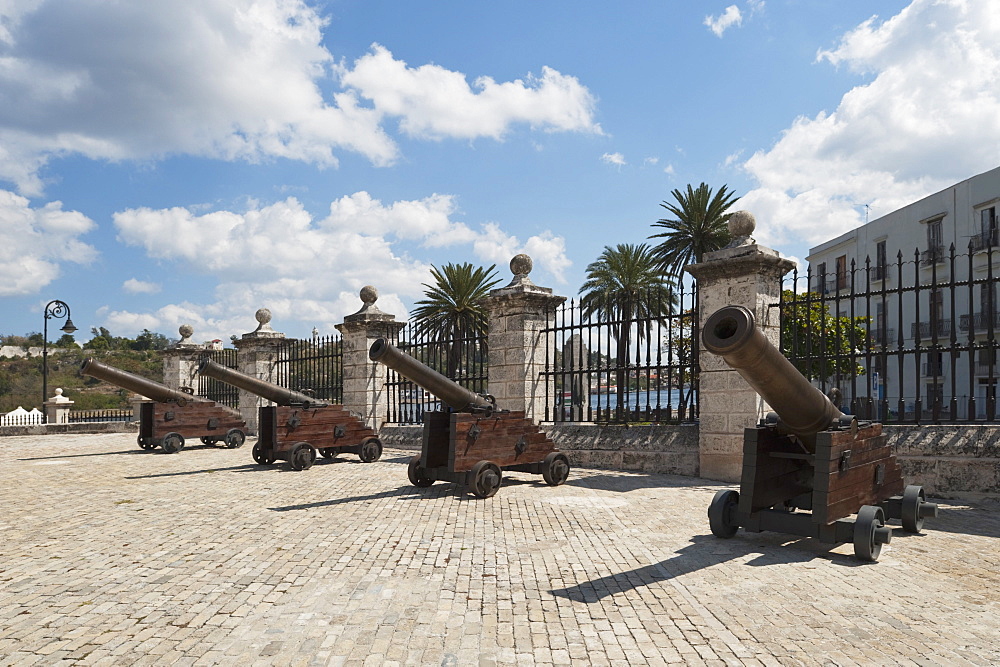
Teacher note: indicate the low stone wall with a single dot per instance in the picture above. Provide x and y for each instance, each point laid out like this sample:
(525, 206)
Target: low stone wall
(661, 449)
(82, 427)
(949, 461)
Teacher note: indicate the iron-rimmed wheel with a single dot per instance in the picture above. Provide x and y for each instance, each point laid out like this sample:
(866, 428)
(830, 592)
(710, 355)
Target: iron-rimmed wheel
(910, 516)
(146, 443)
(418, 474)
(172, 443)
(555, 468)
(235, 438)
(870, 533)
(328, 452)
(302, 456)
(264, 458)
(722, 513)
(486, 478)
(207, 440)
(371, 450)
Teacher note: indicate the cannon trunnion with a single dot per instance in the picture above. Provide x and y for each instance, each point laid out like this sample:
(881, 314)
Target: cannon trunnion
(171, 417)
(474, 442)
(300, 427)
(807, 468)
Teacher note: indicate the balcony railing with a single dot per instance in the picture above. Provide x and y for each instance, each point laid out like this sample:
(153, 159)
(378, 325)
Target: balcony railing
(980, 322)
(879, 272)
(932, 255)
(883, 336)
(941, 327)
(933, 369)
(984, 240)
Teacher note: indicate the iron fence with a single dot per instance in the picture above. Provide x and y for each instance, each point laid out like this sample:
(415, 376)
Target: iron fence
(217, 390)
(462, 358)
(911, 341)
(624, 369)
(108, 415)
(314, 367)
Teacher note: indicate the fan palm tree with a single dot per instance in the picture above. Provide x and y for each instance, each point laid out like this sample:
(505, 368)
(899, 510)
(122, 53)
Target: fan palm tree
(699, 226)
(625, 287)
(453, 308)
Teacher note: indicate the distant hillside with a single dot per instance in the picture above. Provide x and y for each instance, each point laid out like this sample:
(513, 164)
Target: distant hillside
(21, 379)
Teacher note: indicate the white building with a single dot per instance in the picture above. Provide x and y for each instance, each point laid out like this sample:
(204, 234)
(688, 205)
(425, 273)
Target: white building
(933, 317)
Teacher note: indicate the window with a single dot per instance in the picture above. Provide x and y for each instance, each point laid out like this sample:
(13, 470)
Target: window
(935, 394)
(842, 272)
(987, 305)
(821, 278)
(880, 261)
(934, 235)
(988, 224)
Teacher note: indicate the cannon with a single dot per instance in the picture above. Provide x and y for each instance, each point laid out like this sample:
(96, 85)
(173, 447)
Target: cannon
(807, 455)
(173, 415)
(473, 442)
(299, 426)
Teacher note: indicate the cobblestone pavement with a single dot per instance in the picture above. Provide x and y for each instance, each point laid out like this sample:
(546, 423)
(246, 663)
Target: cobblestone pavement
(111, 555)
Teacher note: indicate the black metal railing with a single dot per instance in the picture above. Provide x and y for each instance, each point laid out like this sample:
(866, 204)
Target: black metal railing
(109, 415)
(592, 375)
(462, 357)
(217, 390)
(939, 373)
(313, 366)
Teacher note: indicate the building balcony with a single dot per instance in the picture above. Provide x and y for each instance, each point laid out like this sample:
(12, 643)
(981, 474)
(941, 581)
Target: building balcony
(979, 322)
(932, 369)
(984, 241)
(987, 369)
(932, 255)
(882, 337)
(927, 330)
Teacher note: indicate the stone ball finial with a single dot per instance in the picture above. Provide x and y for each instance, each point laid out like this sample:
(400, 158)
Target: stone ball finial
(369, 294)
(58, 392)
(185, 330)
(741, 223)
(263, 316)
(520, 265)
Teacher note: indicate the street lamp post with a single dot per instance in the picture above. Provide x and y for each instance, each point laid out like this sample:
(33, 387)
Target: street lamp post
(55, 309)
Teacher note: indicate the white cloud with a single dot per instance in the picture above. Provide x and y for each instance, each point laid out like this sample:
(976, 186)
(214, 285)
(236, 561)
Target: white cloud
(650, 161)
(34, 241)
(727, 19)
(930, 116)
(134, 286)
(434, 102)
(614, 158)
(310, 270)
(232, 80)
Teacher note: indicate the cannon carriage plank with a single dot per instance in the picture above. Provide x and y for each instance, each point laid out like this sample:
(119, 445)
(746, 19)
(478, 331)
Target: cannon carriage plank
(474, 443)
(807, 467)
(170, 417)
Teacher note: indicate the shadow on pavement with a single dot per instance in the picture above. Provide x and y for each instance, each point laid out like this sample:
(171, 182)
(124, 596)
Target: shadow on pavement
(76, 456)
(403, 492)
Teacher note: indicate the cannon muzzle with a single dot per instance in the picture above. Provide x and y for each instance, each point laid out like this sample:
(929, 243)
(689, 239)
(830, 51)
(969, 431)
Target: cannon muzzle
(451, 393)
(271, 392)
(802, 409)
(160, 393)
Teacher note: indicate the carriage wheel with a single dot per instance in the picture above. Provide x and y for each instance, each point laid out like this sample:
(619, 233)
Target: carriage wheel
(418, 474)
(264, 458)
(235, 438)
(722, 513)
(371, 450)
(207, 440)
(303, 456)
(146, 443)
(486, 478)
(870, 533)
(328, 452)
(915, 509)
(172, 443)
(555, 469)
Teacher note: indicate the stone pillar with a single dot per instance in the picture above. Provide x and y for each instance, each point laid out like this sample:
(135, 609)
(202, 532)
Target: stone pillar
(259, 352)
(741, 274)
(517, 315)
(57, 408)
(180, 361)
(364, 380)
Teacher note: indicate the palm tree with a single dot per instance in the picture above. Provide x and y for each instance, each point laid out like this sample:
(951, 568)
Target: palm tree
(624, 287)
(453, 310)
(699, 226)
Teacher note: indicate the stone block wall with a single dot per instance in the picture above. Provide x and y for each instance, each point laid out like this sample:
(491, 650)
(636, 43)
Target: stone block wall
(949, 461)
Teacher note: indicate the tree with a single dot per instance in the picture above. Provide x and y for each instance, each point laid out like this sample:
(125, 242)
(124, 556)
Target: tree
(625, 288)
(699, 226)
(819, 344)
(148, 340)
(67, 341)
(453, 309)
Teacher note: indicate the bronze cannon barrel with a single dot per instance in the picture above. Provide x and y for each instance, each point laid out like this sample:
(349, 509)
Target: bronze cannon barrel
(138, 384)
(451, 393)
(803, 409)
(271, 392)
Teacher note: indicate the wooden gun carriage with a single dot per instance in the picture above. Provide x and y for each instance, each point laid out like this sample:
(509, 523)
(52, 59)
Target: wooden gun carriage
(474, 442)
(299, 426)
(172, 415)
(807, 455)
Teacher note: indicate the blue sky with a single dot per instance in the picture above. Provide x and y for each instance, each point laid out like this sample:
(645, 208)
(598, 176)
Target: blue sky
(190, 162)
